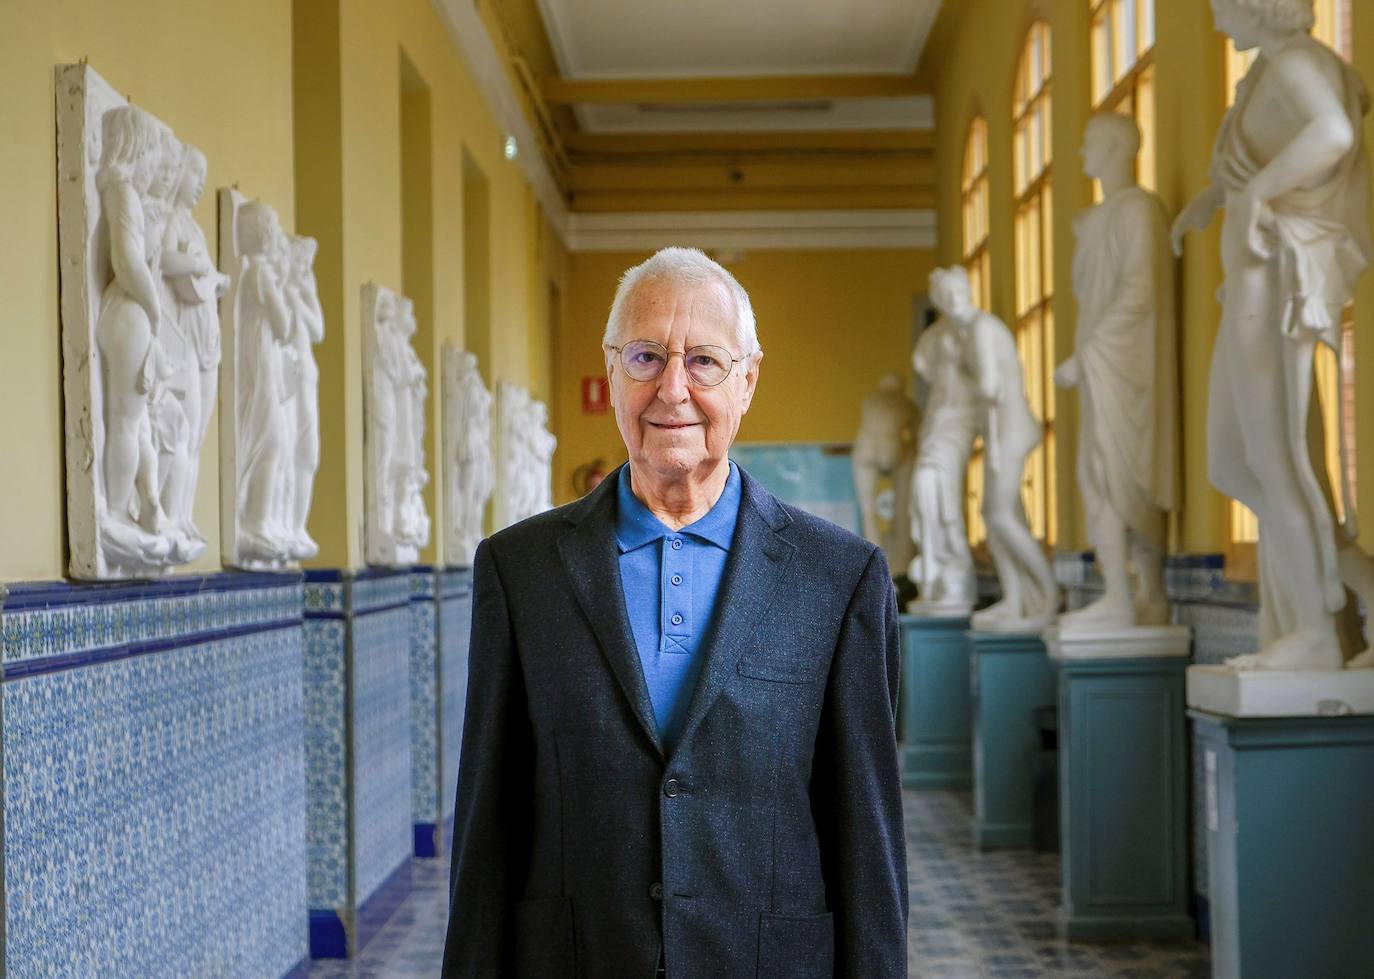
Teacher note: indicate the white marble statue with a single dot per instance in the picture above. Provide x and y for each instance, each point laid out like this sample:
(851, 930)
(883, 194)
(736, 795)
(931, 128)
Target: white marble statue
(1125, 367)
(470, 467)
(884, 449)
(943, 569)
(138, 331)
(394, 379)
(1030, 596)
(269, 425)
(525, 447)
(1291, 173)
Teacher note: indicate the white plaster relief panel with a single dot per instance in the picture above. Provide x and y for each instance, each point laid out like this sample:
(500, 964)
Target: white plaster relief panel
(269, 408)
(469, 467)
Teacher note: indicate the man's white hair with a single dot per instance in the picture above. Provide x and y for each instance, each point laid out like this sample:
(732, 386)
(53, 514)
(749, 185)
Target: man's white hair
(687, 267)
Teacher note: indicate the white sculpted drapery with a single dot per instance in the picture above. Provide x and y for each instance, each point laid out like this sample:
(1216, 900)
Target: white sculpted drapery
(1125, 367)
(471, 468)
(269, 418)
(884, 447)
(1030, 597)
(140, 332)
(397, 525)
(1291, 172)
(943, 568)
(525, 448)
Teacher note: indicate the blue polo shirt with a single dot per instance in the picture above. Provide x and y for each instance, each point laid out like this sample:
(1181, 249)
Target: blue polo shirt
(671, 580)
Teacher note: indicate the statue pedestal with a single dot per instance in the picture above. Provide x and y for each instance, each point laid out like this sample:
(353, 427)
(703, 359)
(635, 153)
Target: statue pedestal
(1011, 677)
(1279, 693)
(1290, 853)
(1123, 785)
(936, 745)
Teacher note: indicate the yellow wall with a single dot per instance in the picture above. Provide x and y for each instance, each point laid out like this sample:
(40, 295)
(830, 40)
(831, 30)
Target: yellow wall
(190, 65)
(299, 103)
(974, 73)
(831, 323)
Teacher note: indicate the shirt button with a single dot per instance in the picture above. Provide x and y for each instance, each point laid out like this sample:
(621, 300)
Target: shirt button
(671, 788)
(677, 620)
(656, 891)
(676, 579)
(677, 544)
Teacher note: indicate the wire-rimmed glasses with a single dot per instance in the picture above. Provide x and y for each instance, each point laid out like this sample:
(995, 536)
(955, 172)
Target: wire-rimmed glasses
(707, 365)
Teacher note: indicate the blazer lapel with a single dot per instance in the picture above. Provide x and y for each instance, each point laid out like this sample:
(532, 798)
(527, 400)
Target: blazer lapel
(758, 559)
(593, 564)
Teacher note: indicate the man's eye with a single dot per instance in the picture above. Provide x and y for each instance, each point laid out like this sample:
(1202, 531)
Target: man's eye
(705, 360)
(645, 357)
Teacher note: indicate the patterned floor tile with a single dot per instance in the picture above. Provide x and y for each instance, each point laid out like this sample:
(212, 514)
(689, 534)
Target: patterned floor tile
(973, 915)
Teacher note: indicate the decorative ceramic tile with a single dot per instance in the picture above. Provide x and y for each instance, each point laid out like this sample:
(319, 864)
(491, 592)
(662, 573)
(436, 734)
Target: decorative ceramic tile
(326, 761)
(383, 836)
(455, 624)
(324, 598)
(155, 804)
(72, 628)
(379, 590)
(424, 707)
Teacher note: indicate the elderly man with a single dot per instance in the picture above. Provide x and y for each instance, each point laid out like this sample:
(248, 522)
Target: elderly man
(679, 754)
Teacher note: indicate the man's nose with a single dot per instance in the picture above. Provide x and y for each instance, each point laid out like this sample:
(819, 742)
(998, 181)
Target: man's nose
(672, 383)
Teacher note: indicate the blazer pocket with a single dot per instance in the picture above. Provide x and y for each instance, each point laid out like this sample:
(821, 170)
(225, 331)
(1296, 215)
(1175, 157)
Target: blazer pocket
(776, 669)
(793, 947)
(544, 946)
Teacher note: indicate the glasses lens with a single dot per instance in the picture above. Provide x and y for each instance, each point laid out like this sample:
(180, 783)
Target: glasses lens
(643, 359)
(708, 365)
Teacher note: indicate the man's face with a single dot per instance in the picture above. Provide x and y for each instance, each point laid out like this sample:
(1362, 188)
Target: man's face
(671, 426)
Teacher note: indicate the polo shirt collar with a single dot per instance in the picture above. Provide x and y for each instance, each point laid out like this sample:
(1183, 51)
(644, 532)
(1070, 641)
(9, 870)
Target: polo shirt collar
(635, 526)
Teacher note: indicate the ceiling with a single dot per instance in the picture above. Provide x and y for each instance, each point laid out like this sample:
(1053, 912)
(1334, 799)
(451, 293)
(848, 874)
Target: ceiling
(719, 105)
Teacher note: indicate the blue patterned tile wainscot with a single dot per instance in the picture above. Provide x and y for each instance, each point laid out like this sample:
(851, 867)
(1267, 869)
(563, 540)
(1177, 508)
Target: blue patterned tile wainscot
(358, 629)
(455, 629)
(424, 711)
(154, 778)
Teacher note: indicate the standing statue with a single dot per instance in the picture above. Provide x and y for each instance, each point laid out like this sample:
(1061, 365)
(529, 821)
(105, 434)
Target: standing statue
(884, 449)
(1290, 170)
(395, 385)
(303, 383)
(190, 337)
(1125, 367)
(542, 444)
(134, 528)
(943, 568)
(471, 467)
(263, 328)
(1030, 597)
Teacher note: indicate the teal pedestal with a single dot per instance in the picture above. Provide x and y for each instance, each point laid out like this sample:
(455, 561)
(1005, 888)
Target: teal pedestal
(937, 749)
(1011, 677)
(1123, 800)
(1289, 811)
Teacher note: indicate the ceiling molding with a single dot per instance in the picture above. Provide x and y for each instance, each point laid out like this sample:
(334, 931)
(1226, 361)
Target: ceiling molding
(649, 231)
(750, 88)
(911, 112)
(488, 70)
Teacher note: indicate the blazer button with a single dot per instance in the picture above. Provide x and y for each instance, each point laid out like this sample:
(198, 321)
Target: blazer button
(670, 788)
(656, 891)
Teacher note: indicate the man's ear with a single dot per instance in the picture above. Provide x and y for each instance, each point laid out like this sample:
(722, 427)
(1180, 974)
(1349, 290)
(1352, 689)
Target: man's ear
(751, 380)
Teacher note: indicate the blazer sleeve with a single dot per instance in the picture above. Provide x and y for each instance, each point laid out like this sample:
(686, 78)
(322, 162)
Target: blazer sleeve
(856, 793)
(492, 812)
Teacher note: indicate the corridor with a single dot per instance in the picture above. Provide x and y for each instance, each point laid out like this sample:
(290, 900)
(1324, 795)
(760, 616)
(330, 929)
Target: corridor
(973, 915)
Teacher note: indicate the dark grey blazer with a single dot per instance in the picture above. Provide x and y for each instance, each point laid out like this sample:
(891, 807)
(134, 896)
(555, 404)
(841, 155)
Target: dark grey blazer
(769, 843)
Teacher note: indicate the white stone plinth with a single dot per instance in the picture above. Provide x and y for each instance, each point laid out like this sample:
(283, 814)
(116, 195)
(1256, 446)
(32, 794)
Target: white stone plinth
(1280, 693)
(939, 610)
(1119, 642)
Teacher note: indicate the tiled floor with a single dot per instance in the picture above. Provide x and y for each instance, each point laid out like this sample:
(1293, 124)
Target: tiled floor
(973, 915)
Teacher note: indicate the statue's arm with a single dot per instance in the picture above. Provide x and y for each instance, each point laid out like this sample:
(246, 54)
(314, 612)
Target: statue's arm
(1326, 137)
(270, 291)
(1197, 214)
(126, 248)
(987, 375)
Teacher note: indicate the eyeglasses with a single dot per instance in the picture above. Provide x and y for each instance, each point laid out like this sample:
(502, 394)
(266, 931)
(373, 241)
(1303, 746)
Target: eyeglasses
(707, 365)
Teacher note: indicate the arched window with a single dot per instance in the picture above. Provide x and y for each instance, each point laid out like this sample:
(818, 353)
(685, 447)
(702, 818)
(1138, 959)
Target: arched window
(1034, 271)
(975, 204)
(1336, 401)
(1123, 70)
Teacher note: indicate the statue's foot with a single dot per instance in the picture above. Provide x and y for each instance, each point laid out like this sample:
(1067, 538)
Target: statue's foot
(1106, 611)
(994, 613)
(1364, 661)
(304, 546)
(255, 543)
(1304, 649)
